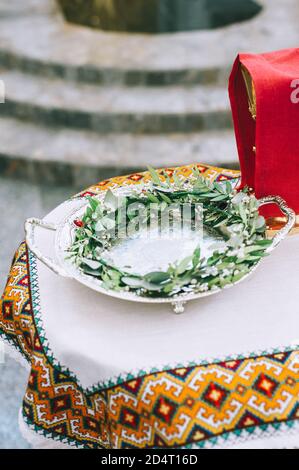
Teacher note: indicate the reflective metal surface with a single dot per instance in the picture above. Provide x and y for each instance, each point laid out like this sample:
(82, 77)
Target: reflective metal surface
(142, 253)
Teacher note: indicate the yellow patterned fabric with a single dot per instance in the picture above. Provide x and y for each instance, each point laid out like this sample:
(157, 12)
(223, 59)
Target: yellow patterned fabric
(200, 404)
(210, 172)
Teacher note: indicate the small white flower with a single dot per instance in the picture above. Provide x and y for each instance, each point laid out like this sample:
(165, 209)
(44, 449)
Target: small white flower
(238, 198)
(210, 271)
(226, 272)
(239, 253)
(204, 287)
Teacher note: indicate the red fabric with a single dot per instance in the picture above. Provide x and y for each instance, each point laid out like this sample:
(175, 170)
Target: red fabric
(274, 168)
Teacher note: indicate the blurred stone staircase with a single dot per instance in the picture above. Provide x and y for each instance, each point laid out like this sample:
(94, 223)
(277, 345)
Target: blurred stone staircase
(81, 103)
(115, 109)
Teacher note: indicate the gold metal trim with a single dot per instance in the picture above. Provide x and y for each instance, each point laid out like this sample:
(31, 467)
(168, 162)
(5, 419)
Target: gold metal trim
(250, 91)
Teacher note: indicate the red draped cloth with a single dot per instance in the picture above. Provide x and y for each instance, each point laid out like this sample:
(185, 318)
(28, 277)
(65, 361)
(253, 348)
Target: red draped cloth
(273, 168)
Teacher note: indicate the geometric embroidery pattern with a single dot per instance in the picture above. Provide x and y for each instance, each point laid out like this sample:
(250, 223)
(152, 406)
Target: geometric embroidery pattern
(168, 408)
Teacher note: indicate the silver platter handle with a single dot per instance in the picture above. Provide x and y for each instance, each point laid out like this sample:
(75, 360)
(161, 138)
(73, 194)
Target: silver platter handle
(30, 226)
(287, 211)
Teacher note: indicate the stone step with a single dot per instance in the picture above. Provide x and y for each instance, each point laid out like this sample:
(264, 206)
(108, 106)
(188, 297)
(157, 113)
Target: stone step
(103, 75)
(18, 8)
(35, 38)
(115, 108)
(65, 156)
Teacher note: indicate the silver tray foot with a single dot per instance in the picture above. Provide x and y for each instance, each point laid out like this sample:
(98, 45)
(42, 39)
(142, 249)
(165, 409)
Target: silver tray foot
(178, 307)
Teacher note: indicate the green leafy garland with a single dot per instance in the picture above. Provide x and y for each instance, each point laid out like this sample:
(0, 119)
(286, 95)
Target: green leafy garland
(234, 215)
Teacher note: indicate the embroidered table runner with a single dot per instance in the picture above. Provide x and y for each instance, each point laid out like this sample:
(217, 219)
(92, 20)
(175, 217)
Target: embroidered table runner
(106, 373)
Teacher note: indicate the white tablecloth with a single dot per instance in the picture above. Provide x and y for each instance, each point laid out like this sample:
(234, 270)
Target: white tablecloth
(102, 340)
(99, 337)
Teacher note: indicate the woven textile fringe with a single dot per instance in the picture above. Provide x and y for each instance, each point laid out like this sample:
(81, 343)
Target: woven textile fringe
(287, 439)
(37, 439)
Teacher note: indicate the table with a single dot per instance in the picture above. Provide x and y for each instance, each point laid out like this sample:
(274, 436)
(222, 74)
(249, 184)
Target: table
(106, 373)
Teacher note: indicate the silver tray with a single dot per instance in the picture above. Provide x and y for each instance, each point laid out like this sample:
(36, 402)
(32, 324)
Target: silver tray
(65, 232)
